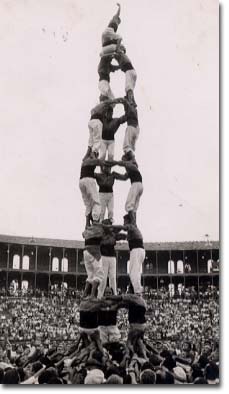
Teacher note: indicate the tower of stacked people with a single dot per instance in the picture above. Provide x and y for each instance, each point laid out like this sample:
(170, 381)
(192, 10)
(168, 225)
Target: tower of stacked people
(100, 304)
(101, 234)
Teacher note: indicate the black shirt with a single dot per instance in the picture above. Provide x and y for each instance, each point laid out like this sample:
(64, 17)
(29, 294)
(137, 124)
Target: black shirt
(107, 250)
(136, 243)
(136, 314)
(87, 171)
(110, 127)
(88, 319)
(107, 317)
(135, 176)
(105, 182)
(105, 67)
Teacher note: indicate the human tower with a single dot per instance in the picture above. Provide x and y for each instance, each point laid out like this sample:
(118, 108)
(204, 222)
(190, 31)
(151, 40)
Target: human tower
(101, 234)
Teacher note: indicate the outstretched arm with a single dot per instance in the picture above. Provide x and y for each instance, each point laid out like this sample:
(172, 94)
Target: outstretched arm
(102, 106)
(128, 165)
(120, 237)
(93, 162)
(114, 227)
(120, 177)
(110, 163)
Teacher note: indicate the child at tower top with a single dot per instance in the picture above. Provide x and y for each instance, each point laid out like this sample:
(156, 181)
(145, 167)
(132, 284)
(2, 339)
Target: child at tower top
(110, 39)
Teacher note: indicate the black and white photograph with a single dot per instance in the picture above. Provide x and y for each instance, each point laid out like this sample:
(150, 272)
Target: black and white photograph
(109, 192)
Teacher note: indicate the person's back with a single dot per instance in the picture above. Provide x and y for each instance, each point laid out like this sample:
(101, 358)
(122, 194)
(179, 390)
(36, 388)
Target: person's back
(148, 377)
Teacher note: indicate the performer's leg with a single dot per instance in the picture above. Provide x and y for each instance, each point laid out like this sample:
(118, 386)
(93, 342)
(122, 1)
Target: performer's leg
(131, 77)
(95, 337)
(103, 150)
(102, 198)
(110, 206)
(105, 89)
(139, 193)
(112, 274)
(137, 257)
(95, 202)
(83, 184)
(88, 262)
(103, 283)
(131, 197)
(111, 147)
(87, 290)
(97, 136)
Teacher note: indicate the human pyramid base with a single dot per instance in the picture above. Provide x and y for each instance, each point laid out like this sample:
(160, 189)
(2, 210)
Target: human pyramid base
(100, 305)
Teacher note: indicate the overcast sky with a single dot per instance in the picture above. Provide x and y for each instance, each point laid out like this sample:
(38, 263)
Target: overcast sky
(49, 83)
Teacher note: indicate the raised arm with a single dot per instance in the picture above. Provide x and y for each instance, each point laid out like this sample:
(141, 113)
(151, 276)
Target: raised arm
(93, 162)
(118, 11)
(116, 18)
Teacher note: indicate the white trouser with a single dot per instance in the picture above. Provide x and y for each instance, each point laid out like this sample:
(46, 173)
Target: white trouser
(106, 202)
(109, 334)
(109, 269)
(134, 195)
(137, 257)
(131, 77)
(93, 267)
(107, 146)
(95, 134)
(108, 50)
(90, 197)
(131, 136)
(105, 89)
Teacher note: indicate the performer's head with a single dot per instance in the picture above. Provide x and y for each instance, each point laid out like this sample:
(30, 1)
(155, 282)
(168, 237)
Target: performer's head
(108, 292)
(105, 169)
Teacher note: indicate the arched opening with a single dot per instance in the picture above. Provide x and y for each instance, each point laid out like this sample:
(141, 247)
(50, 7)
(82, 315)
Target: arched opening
(16, 262)
(64, 286)
(171, 269)
(24, 285)
(55, 264)
(171, 290)
(64, 264)
(180, 288)
(180, 267)
(209, 265)
(25, 263)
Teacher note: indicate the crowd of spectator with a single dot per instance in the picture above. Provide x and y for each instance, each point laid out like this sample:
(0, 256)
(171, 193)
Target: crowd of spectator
(38, 336)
